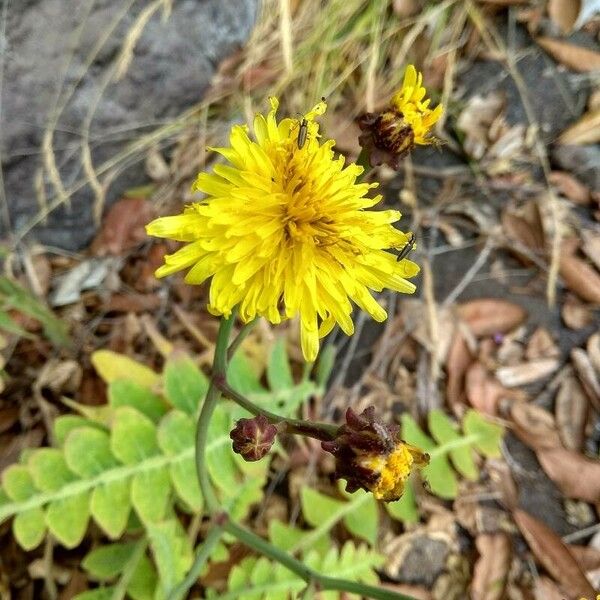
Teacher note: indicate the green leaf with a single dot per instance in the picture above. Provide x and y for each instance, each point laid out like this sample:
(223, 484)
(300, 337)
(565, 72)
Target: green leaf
(112, 366)
(64, 424)
(49, 469)
(241, 376)
(445, 432)
(18, 483)
(405, 509)
(363, 521)
(175, 435)
(143, 582)
(325, 365)
(67, 519)
(10, 326)
(87, 452)
(150, 492)
(106, 562)
(29, 528)
(324, 513)
(488, 435)
(185, 384)
(172, 552)
(124, 392)
(287, 537)
(133, 436)
(279, 372)
(438, 473)
(110, 506)
(17, 297)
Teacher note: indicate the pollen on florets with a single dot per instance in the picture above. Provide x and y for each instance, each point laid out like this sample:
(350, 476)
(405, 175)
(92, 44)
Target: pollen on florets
(370, 455)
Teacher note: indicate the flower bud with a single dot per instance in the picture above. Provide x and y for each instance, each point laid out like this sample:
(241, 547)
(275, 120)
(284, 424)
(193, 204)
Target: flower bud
(253, 438)
(370, 455)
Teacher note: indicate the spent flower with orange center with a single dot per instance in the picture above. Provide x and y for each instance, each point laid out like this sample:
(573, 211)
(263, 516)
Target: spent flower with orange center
(390, 135)
(370, 455)
(285, 231)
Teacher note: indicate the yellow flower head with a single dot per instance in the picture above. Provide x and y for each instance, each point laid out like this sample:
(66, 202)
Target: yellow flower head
(410, 101)
(370, 455)
(388, 136)
(285, 231)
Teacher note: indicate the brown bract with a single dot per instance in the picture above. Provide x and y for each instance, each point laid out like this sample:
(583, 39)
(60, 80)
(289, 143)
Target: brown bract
(385, 137)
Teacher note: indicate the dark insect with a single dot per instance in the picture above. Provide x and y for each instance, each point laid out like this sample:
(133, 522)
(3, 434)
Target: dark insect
(407, 247)
(302, 134)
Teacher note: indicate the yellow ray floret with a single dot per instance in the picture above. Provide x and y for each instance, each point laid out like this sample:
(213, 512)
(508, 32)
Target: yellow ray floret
(286, 232)
(410, 101)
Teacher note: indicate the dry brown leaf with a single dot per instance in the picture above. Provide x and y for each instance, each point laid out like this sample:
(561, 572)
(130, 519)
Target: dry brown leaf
(587, 375)
(491, 315)
(458, 361)
(585, 131)
(564, 13)
(123, 227)
(570, 187)
(575, 313)
(534, 425)
(587, 556)
(591, 246)
(546, 589)
(484, 391)
(491, 569)
(571, 409)
(416, 591)
(526, 372)
(406, 8)
(541, 345)
(574, 57)
(553, 554)
(593, 350)
(580, 277)
(576, 476)
(525, 227)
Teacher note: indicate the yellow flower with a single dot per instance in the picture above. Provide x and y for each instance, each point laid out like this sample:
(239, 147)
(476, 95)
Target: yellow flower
(285, 231)
(388, 136)
(370, 455)
(409, 101)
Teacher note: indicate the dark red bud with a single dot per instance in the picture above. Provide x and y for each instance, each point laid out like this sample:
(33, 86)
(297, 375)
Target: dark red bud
(253, 438)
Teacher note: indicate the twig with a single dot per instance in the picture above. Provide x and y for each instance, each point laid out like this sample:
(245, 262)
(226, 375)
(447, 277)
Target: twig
(470, 274)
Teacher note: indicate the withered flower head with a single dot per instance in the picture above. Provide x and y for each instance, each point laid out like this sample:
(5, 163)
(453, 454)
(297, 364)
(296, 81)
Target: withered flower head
(370, 455)
(389, 136)
(253, 438)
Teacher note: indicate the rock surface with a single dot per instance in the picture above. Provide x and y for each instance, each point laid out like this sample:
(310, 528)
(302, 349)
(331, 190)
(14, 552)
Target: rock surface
(61, 66)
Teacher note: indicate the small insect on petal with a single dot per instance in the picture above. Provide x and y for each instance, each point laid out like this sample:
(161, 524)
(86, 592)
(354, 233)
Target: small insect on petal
(407, 248)
(302, 134)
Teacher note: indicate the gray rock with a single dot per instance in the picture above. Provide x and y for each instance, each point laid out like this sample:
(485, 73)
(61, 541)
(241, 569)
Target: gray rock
(48, 44)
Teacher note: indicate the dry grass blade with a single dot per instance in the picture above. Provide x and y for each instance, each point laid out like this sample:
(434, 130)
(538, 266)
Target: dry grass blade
(553, 554)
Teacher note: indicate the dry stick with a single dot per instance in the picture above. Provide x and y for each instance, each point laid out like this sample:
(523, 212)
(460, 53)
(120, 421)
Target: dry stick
(470, 274)
(495, 43)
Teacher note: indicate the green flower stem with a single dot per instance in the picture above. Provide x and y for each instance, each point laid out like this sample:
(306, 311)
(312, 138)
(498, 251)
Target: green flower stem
(322, 582)
(212, 397)
(204, 551)
(320, 431)
(212, 503)
(241, 336)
